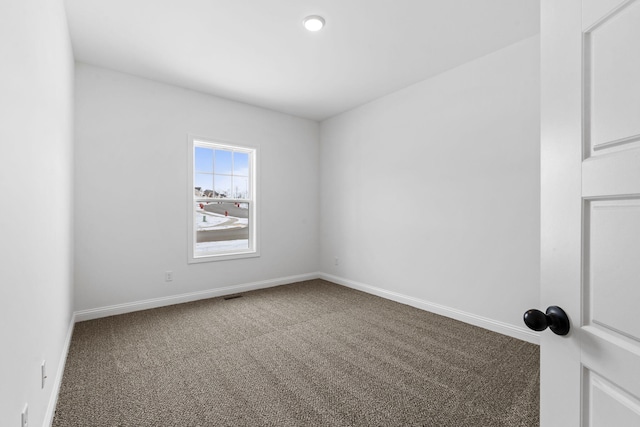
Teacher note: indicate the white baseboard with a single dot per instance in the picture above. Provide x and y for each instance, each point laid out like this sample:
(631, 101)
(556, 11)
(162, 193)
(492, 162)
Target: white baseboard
(112, 310)
(483, 322)
(55, 390)
(473, 319)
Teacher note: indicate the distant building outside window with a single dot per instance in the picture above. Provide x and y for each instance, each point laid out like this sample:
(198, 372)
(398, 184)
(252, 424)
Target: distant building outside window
(222, 186)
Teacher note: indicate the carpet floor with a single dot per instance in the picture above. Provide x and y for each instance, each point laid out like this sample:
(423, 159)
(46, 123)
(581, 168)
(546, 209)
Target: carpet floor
(307, 354)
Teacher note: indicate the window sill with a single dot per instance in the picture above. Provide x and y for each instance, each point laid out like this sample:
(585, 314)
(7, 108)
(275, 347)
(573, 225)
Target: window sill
(223, 257)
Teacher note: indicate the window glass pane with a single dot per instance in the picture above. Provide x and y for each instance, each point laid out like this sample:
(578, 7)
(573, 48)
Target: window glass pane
(221, 226)
(203, 159)
(203, 185)
(241, 164)
(240, 187)
(222, 186)
(223, 162)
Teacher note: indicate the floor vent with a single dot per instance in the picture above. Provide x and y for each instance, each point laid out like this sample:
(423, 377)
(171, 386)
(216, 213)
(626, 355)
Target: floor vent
(232, 297)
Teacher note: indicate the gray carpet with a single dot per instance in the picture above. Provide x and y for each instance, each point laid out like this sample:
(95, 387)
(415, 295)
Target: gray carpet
(306, 354)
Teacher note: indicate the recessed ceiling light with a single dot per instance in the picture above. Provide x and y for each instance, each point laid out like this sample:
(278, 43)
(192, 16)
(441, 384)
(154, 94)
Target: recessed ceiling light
(313, 22)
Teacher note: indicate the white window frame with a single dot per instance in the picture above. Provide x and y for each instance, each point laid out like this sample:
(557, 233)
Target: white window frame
(253, 250)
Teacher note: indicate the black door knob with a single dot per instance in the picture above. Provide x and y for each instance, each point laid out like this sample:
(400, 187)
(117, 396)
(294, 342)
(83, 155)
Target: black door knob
(555, 319)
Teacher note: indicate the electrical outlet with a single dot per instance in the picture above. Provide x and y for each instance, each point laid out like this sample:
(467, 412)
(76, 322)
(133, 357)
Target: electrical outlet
(168, 276)
(43, 372)
(25, 416)
(336, 261)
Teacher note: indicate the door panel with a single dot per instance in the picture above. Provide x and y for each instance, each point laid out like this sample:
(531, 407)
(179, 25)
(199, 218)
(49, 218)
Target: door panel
(612, 270)
(612, 67)
(610, 334)
(606, 402)
(590, 217)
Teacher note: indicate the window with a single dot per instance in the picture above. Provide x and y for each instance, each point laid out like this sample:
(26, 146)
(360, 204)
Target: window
(222, 201)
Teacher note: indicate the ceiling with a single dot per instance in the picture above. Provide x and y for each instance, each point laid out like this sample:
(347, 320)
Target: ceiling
(258, 52)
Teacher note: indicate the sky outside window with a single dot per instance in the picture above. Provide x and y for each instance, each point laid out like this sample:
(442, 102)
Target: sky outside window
(241, 164)
(224, 171)
(223, 162)
(204, 159)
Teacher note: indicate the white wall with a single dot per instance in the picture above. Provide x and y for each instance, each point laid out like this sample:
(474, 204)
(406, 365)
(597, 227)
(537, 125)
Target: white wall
(36, 134)
(131, 189)
(433, 192)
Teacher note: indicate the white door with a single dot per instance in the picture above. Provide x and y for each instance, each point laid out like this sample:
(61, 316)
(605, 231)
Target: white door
(591, 211)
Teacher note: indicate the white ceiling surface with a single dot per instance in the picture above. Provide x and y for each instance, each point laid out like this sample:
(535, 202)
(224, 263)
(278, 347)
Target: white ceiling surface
(258, 52)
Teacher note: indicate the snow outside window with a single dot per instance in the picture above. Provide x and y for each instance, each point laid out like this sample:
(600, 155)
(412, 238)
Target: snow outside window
(222, 201)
